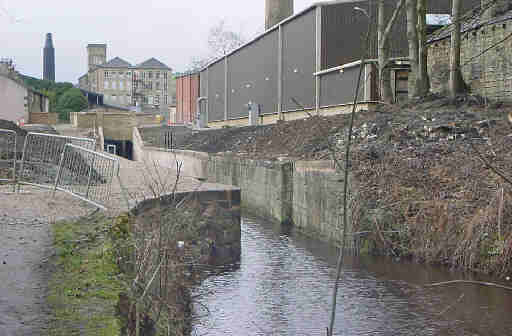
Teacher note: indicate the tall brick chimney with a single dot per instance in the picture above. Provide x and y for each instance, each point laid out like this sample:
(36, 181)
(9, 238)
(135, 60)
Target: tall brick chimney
(276, 11)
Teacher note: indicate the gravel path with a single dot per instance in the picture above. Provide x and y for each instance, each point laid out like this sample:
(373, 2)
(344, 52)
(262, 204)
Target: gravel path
(25, 245)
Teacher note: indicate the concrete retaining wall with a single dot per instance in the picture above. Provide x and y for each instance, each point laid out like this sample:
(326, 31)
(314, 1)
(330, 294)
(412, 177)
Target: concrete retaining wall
(305, 193)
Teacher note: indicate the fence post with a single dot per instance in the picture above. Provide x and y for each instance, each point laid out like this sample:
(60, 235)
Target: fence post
(59, 171)
(89, 177)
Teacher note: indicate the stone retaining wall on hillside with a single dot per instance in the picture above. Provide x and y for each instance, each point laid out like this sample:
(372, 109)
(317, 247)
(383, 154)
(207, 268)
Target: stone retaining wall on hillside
(488, 75)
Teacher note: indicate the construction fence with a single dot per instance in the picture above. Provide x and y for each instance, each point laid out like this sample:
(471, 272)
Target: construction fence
(7, 155)
(57, 162)
(42, 155)
(86, 174)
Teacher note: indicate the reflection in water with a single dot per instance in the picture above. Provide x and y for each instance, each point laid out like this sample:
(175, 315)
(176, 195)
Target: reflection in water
(284, 283)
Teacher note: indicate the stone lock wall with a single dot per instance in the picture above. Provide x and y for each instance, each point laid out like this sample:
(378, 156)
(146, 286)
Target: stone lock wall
(489, 75)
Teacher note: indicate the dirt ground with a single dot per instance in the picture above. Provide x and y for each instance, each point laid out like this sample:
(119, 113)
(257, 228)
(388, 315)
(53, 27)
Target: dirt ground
(25, 246)
(384, 126)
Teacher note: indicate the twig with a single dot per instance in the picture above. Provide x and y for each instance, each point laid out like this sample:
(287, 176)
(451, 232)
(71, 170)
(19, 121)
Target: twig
(300, 105)
(469, 282)
(452, 305)
(345, 187)
(494, 169)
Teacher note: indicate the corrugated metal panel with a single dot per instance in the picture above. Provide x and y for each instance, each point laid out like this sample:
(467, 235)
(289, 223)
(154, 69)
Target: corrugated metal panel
(179, 100)
(216, 91)
(252, 77)
(339, 88)
(299, 58)
(194, 94)
(187, 91)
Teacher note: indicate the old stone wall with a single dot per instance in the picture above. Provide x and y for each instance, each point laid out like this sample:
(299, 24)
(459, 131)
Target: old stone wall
(43, 118)
(489, 75)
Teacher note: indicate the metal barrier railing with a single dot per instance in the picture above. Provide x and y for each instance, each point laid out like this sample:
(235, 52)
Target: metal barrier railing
(41, 157)
(8, 153)
(86, 174)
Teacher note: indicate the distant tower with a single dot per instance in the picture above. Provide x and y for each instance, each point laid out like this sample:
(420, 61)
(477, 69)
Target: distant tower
(49, 59)
(276, 11)
(97, 55)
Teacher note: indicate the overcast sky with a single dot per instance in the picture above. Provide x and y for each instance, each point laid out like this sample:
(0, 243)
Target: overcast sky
(169, 30)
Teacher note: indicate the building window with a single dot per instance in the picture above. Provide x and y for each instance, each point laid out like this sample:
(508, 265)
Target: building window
(157, 85)
(157, 100)
(165, 86)
(144, 100)
(150, 75)
(106, 74)
(150, 100)
(165, 75)
(157, 75)
(166, 99)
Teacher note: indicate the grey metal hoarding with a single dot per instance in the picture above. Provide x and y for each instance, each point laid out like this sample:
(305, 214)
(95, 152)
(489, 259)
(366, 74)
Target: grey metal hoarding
(343, 29)
(299, 61)
(253, 76)
(203, 90)
(338, 88)
(216, 88)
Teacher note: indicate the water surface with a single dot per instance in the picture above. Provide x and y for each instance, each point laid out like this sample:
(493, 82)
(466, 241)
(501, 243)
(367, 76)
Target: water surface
(284, 283)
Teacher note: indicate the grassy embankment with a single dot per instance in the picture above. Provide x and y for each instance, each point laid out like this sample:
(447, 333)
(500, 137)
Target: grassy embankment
(85, 287)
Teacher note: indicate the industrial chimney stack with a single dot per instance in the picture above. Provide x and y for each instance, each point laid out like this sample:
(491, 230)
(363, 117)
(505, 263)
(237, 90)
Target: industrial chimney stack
(276, 11)
(49, 59)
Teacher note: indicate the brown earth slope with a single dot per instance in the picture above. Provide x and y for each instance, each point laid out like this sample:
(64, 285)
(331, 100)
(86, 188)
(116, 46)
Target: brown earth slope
(433, 169)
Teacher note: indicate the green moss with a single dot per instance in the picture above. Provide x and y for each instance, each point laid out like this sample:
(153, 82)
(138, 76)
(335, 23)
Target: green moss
(85, 287)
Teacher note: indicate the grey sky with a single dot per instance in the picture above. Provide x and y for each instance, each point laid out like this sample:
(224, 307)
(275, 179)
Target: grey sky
(170, 30)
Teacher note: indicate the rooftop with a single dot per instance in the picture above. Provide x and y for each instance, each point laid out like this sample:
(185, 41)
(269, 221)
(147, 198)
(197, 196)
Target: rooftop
(152, 63)
(116, 62)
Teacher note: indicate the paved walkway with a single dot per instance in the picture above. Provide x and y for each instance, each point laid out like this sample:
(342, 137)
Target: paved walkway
(26, 239)
(25, 246)
(147, 181)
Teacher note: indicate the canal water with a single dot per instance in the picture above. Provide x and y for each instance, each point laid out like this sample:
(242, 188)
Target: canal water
(284, 283)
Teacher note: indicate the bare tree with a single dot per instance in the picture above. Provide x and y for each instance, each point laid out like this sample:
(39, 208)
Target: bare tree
(412, 37)
(221, 41)
(423, 81)
(383, 42)
(456, 81)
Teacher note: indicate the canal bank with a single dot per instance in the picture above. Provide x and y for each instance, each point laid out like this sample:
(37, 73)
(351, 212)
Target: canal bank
(302, 194)
(424, 178)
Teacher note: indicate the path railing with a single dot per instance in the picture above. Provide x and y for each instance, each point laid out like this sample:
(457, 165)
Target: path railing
(8, 155)
(41, 157)
(86, 174)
